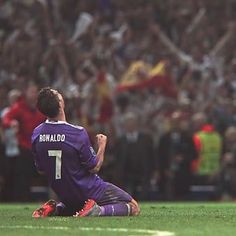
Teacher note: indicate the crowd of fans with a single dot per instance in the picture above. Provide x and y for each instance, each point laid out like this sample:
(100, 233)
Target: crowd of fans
(84, 47)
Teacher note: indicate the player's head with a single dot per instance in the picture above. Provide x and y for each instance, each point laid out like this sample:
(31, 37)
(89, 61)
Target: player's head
(50, 102)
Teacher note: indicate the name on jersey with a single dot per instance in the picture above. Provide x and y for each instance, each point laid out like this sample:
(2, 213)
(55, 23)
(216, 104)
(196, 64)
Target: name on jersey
(52, 137)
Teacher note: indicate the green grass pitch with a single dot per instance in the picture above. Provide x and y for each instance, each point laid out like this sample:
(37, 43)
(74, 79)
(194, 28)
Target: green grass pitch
(159, 219)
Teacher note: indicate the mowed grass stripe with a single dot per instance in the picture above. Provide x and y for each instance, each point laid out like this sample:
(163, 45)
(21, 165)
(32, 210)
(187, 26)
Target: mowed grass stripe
(184, 219)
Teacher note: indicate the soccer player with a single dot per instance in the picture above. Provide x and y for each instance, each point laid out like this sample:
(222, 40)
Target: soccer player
(63, 152)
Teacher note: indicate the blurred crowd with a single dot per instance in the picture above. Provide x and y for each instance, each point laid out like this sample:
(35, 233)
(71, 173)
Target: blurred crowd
(162, 139)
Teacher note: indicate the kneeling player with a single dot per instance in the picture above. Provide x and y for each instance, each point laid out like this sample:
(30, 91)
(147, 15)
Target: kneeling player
(64, 154)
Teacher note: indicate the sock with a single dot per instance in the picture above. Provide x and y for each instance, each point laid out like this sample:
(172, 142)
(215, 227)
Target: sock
(118, 209)
(63, 210)
(60, 209)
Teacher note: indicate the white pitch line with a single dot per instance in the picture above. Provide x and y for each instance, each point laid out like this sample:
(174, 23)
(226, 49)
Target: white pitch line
(33, 227)
(141, 231)
(121, 230)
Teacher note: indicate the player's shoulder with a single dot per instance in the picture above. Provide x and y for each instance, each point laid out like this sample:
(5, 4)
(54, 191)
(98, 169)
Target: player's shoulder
(37, 131)
(65, 124)
(73, 129)
(76, 127)
(39, 127)
(77, 131)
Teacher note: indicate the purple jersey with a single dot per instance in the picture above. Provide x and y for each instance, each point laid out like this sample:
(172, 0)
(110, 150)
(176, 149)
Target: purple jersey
(64, 153)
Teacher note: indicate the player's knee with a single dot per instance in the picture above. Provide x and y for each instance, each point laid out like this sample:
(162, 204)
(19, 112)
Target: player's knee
(135, 209)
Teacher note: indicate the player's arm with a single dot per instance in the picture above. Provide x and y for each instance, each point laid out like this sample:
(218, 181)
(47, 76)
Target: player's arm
(101, 141)
(37, 162)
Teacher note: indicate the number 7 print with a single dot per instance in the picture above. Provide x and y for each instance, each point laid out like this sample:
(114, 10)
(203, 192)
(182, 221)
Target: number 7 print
(58, 155)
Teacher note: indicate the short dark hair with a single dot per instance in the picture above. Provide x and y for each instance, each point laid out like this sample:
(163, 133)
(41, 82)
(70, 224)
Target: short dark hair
(48, 102)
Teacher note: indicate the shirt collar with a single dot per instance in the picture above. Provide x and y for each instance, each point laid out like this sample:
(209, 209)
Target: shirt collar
(55, 122)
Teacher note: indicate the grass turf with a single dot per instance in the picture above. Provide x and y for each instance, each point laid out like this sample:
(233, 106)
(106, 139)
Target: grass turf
(184, 219)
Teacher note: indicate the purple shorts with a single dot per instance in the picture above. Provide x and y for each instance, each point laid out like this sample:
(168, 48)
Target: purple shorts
(112, 195)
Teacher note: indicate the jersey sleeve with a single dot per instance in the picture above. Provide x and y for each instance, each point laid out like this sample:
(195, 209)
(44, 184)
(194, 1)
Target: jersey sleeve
(36, 159)
(87, 154)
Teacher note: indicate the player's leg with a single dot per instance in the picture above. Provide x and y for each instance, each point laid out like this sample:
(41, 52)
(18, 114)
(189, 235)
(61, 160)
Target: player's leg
(117, 202)
(114, 202)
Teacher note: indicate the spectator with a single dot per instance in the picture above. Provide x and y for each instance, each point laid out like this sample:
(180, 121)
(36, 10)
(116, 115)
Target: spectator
(228, 165)
(175, 152)
(1, 166)
(208, 143)
(11, 151)
(24, 117)
(134, 157)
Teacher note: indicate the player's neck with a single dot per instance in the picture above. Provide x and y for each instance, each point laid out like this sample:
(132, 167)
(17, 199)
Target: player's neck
(61, 117)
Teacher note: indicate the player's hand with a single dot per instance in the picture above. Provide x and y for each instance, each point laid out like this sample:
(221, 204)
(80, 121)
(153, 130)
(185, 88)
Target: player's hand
(101, 140)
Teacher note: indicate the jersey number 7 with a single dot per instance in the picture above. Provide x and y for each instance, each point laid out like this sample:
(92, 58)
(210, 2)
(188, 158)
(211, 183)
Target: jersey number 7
(57, 154)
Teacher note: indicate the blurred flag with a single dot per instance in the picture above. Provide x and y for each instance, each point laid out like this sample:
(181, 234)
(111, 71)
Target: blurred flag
(104, 95)
(141, 75)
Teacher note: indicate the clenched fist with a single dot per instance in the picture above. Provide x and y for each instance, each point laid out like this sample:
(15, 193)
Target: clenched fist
(101, 140)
